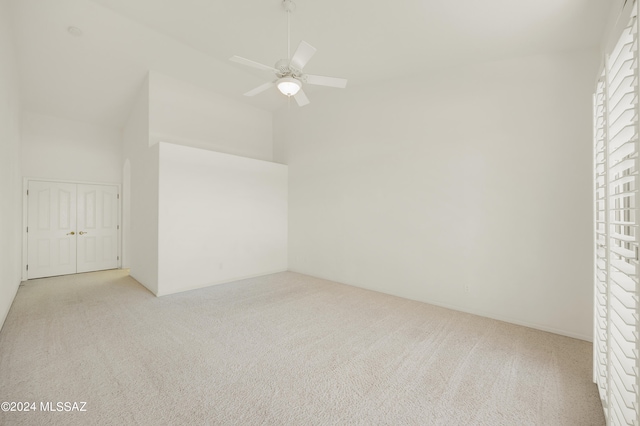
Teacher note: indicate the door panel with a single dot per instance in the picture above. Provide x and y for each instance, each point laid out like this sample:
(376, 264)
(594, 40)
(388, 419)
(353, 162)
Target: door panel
(97, 227)
(51, 219)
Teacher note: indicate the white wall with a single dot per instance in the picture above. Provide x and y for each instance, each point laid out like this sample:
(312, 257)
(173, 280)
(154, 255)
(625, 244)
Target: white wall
(58, 148)
(10, 181)
(469, 188)
(140, 209)
(185, 114)
(222, 218)
(613, 22)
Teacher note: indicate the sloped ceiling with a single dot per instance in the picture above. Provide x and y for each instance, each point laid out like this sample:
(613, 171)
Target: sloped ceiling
(95, 77)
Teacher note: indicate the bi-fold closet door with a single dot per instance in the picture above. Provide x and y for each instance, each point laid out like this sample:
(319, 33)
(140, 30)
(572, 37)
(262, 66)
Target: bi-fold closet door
(71, 228)
(617, 236)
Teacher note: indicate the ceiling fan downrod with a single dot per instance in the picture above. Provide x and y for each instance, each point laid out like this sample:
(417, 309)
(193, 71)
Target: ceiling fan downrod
(289, 7)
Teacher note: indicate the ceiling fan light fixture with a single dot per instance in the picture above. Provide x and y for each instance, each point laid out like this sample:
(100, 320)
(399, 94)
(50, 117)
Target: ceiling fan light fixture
(289, 86)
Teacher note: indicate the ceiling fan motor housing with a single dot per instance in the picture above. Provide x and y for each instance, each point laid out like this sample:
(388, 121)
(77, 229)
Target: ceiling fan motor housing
(285, 69)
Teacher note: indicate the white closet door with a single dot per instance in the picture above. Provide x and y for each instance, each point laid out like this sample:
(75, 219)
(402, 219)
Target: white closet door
(97, 227)
(51, 229)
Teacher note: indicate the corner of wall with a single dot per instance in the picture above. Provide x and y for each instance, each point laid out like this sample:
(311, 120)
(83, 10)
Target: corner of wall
(141, 212)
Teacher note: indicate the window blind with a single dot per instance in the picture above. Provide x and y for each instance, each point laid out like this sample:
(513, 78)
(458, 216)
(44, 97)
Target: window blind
(601, 269)
(617, 294)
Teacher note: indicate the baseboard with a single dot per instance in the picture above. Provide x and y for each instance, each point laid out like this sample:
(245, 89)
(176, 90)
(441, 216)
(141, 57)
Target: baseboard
(472, 311)
(6, 313)
(512, 321)
(142, 284)
(225, 281)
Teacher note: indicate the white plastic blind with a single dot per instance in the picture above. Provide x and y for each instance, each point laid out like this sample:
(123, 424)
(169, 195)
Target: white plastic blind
(617, 295)
(601, 269)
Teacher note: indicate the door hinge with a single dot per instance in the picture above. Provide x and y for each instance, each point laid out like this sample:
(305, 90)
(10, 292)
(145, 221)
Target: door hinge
(27, 267)
(118, 258)
(118, 196)
(27, 192)
(27, 229)
(118, 226)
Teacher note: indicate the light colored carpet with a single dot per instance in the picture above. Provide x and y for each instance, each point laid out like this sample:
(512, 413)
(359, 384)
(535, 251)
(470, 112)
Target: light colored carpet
(283, 349)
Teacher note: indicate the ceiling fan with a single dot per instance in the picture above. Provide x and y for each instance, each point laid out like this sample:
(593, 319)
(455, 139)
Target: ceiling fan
(288, 72)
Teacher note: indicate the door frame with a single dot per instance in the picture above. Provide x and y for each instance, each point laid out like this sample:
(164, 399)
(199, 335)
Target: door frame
(25, 216)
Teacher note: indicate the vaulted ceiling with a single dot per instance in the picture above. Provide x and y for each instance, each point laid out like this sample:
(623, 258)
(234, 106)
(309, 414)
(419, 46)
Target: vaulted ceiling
(94, 77)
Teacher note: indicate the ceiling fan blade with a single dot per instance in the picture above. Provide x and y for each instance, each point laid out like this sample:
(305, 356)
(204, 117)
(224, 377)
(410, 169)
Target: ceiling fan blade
(260, 88)
(320, 80)
(301, 98)
(251, 63)
(304, 52)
